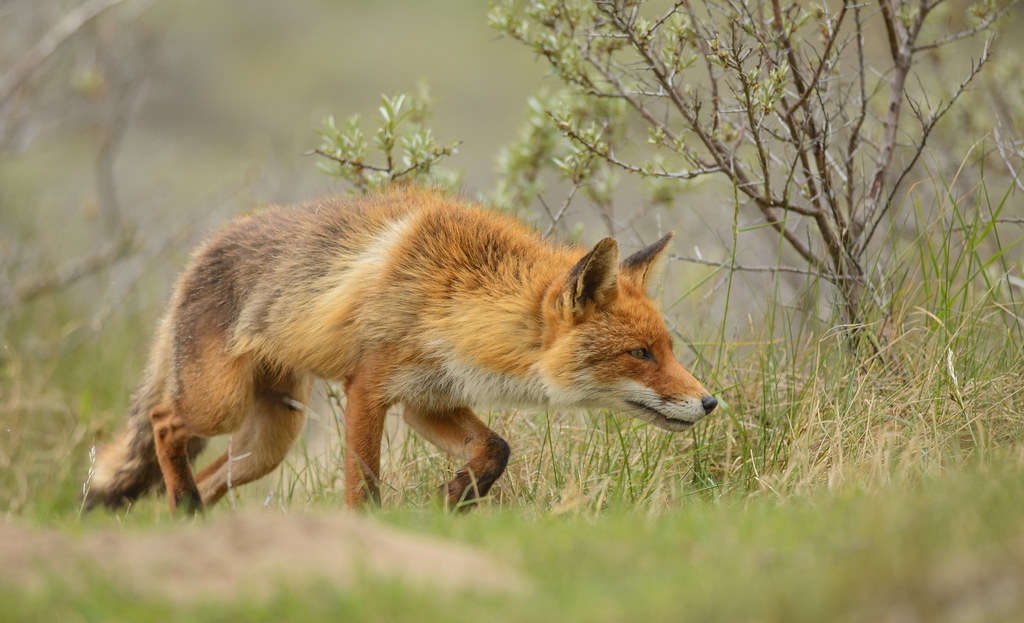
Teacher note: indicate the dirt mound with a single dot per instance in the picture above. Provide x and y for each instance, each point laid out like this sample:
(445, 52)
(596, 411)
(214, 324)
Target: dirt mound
(251, 554)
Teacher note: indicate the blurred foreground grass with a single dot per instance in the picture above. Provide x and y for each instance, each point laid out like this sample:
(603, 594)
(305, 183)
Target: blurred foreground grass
(947, 547)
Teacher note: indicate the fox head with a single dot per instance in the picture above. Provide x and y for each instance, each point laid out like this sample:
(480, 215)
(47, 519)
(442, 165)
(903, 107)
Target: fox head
(606, 345)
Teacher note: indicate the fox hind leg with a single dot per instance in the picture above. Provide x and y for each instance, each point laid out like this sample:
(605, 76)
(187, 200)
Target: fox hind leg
(462, 434)
(172, 440)
(262, 441)
(214, 396)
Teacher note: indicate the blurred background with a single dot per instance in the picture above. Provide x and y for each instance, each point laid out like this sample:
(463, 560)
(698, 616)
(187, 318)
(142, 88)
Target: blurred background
(148, 123)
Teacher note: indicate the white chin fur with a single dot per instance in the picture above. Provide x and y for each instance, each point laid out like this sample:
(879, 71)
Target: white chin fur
(675, 426)
(669, 417)
(634, 400)
(644, 404)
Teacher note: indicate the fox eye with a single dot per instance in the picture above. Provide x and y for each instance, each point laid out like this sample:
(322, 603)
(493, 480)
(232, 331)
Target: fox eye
(642, 353)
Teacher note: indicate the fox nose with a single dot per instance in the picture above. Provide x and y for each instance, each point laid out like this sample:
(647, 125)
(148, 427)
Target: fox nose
(709, 403)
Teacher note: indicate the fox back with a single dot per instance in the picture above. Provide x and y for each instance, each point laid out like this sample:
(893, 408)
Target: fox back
(408, 298)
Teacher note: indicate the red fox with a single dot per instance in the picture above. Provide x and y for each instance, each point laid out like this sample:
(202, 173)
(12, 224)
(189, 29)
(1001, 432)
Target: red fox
(407, 298)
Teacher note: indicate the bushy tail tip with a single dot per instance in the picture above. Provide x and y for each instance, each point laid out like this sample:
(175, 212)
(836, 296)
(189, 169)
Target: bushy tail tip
(123, 470)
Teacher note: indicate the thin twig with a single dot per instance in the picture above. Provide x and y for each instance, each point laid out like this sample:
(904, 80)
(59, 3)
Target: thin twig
(901, 41)
(997, 221)
(1015, 175)
(926, 130)
(857, 220)
(970, 32)
(705, 53)
(231, 461)
(48, 44)
(760, 269)
(609, 156)
(561, 211)
(435, 156)
(357, 164)
(39, 284)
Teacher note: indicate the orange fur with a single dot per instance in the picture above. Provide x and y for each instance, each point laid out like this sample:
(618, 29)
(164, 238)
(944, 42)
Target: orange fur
(407, 298)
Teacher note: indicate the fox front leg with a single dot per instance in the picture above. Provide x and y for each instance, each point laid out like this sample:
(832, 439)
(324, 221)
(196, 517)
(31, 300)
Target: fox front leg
(461, 434)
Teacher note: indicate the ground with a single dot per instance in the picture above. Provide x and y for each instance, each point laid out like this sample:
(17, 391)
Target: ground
(246, 555)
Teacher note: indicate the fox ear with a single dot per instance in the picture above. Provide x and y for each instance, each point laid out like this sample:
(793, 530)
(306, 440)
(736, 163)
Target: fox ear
(593, 278)
(646, 266)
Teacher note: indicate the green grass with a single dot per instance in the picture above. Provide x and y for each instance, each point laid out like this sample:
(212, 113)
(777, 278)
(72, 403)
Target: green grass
(939, 548)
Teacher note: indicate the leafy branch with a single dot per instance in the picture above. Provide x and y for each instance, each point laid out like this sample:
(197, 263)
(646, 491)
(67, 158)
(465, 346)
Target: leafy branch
(778, 99)
(347, 150)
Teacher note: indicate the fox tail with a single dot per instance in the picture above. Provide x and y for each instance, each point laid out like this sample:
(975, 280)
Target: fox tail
(127, 468)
